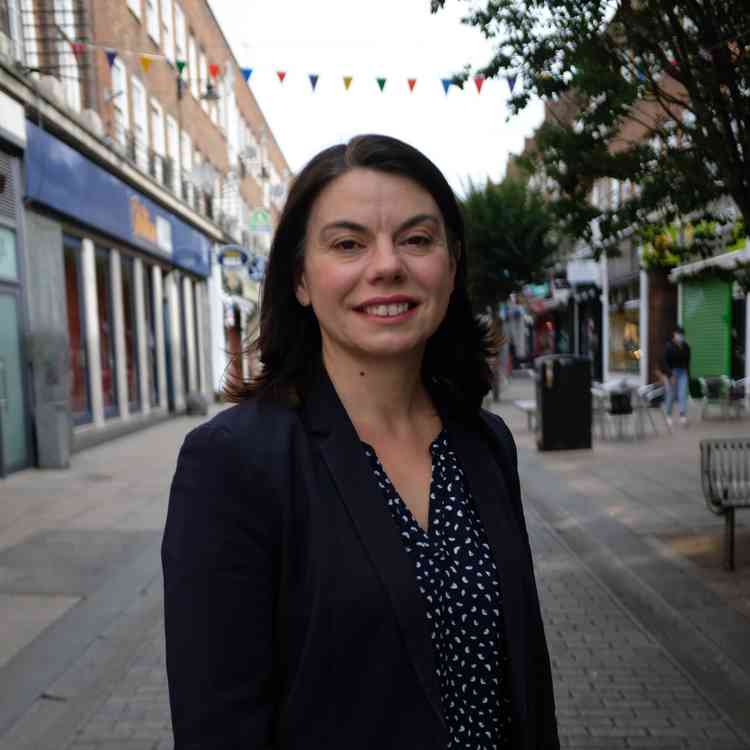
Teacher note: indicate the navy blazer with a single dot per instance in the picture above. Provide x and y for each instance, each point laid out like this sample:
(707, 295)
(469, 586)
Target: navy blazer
(293, 618)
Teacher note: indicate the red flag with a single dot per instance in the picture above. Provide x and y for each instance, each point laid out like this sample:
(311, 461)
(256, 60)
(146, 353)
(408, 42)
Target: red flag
(479, 81)
(213, 69)
(412, 83)
(281, 74)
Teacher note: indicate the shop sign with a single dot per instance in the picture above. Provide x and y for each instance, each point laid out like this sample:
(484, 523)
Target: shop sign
(232, 256)
(65, 180)
(260, 221)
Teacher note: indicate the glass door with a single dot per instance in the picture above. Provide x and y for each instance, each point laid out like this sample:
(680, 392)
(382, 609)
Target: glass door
(13, 438)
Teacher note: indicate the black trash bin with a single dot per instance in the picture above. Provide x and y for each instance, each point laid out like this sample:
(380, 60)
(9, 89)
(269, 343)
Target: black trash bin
(563, 402)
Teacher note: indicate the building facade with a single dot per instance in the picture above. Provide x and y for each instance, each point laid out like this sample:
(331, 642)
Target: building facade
(144, 157)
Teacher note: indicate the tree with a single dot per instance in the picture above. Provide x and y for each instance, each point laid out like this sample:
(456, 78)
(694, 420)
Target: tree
(654, 94)
(510, 242)
(509, 237)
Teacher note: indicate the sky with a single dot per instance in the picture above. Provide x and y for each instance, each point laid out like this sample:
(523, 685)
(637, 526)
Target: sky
(465, 133)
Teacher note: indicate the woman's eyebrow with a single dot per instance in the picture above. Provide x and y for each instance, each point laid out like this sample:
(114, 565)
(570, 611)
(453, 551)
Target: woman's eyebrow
(354, 226)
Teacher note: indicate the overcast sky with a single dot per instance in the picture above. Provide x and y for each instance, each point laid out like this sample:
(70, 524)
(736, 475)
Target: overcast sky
(464, 133)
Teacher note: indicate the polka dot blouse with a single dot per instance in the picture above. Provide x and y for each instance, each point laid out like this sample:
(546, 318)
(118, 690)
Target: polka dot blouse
(458, 580)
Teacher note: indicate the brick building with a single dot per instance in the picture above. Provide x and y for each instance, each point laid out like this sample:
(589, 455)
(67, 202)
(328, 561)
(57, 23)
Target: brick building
(144, 155)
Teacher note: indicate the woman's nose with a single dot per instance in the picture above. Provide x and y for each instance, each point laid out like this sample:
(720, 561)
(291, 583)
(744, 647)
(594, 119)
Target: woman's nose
(385, 259)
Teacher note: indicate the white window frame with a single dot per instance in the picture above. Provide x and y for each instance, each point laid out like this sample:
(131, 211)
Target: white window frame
(180, 34)
(64, 15)
(158, 137)
(153, 23)
(167, 29)
(135, 8)
(186, 164)
(203, 78)
(31, 49)
(120, 100)
(140, 122)
(173, 148)
(614, 194)
(193, 65)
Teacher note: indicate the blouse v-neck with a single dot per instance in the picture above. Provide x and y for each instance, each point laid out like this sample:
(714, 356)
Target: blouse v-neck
(459, 584)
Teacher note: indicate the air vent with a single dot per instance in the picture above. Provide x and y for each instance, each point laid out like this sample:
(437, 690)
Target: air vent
(7, 188)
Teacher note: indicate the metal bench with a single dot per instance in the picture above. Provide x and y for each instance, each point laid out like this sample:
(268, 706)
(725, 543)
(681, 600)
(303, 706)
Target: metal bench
(725, 475)
(529, 408)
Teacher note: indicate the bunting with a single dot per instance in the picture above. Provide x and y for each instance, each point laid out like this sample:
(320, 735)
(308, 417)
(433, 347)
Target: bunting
(215, 69)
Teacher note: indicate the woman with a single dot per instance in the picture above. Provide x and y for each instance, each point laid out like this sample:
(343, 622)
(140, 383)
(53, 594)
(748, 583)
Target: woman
(345, 558)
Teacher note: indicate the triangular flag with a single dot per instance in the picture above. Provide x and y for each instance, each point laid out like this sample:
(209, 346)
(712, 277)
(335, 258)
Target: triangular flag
(246, 73)
(313, 80)
(381, 83)
(412, 83)
(479, 81)
(78, 48)
(111, 55)
(446, 84)
(213, 70)
(145, 63)
(511, 79)
(281, 74)
(347, 82)
(180, 65)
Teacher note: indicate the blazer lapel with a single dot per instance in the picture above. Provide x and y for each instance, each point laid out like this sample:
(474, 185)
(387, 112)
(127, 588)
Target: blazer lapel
(347, 463)
(491, 493)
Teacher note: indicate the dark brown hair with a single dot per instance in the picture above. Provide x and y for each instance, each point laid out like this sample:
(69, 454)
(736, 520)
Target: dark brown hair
(455, 367)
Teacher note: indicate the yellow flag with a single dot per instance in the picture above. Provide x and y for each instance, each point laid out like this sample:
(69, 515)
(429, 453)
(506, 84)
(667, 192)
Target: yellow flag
(347, 82)
(145, 63)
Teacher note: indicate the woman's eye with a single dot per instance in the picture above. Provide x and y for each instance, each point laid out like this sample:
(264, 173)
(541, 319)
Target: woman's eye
(419, 240)
(347, 245)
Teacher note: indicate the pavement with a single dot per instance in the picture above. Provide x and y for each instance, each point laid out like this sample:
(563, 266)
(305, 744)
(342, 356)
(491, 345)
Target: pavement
(648, 635)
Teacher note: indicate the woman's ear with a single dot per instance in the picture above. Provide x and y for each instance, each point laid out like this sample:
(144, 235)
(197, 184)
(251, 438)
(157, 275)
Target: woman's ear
(300, 291)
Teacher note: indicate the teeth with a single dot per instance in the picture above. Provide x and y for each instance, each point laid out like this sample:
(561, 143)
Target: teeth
(387, 311)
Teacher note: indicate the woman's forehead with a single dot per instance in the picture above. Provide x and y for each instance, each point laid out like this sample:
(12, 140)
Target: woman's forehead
(371, 198)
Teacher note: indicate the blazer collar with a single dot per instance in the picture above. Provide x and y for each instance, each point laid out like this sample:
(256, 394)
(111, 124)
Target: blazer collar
(346, 460)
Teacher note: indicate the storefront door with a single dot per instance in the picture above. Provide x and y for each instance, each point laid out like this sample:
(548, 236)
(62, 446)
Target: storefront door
(14, 450)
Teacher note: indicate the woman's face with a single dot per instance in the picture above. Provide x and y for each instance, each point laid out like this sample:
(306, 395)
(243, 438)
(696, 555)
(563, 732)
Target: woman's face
(377, 268)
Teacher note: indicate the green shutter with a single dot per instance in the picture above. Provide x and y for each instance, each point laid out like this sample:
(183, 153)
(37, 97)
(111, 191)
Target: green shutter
(706, 318)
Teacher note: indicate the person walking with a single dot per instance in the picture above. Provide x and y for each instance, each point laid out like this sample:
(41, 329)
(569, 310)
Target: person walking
(676, 374)
(346, 561)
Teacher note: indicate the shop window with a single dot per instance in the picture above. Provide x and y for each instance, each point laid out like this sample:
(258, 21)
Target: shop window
(197, 337)
(131, 332)
(152, 374)
(625, 329)
(80, 393)
(106, 331)
(184, 336)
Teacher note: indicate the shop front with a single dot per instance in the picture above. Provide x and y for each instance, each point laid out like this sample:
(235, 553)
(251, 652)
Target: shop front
(117, 301)
(15, 443)
(625, 328)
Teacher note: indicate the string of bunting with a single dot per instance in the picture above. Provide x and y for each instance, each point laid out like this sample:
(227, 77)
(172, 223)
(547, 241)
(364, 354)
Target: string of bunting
(147, 58)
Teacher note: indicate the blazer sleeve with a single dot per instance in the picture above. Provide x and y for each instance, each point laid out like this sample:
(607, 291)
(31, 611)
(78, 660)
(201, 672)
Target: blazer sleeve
(217, 557)
(546, 727)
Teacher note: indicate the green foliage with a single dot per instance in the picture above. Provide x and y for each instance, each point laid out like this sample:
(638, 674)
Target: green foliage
(510, 239)
(656, 94)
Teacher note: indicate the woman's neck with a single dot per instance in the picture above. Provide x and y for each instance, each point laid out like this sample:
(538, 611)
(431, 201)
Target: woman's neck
(385, 398)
